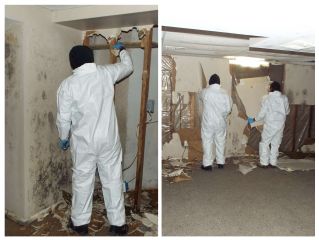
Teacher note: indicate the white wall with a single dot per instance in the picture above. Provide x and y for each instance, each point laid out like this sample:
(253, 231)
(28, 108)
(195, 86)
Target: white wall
(45, 168)
(127, 104)
(299, 84)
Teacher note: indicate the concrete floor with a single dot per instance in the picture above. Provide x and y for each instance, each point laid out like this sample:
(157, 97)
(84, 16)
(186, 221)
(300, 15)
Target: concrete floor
(224, 202)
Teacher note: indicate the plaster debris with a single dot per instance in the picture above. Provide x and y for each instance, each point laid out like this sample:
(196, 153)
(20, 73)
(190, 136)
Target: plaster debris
(176, 170)
(55, 223)
(152, 217)
(291, 165)
(246, 168)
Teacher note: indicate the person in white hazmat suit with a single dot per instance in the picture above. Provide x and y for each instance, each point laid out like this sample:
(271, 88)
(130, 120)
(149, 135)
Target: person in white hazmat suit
(86, 115)
(216, 107)
(274, 109)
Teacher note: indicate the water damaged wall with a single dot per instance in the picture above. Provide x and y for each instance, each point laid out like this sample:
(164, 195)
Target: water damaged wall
(246, 86)
(14, 165)
(39, 62)
(127, 104)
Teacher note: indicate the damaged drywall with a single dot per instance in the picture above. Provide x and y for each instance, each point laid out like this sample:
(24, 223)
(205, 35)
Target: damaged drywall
(246, 86)
(46, 169)
(127, 105)
(192, 74)
(14, 164)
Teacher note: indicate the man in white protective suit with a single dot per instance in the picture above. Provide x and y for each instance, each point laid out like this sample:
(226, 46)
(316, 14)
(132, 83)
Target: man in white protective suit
(274, 109)
(86, 115)
(216, 107)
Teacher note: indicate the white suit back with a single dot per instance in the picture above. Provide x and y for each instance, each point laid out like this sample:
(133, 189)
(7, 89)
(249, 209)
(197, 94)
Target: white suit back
(216, 106)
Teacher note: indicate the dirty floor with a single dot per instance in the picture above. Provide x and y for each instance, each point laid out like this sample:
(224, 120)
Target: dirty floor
(225, 202)
(55, 223)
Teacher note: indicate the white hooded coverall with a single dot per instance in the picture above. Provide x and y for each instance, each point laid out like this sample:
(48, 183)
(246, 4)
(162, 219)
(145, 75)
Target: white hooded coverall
(274, 108)
(216, 107)
(85, 106)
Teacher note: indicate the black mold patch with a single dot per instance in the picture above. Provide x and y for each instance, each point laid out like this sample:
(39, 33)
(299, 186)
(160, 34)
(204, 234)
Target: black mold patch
(11, 48)
(51, 121)
(51, 169)
(44, 96)
(42, 76)
(51, 176)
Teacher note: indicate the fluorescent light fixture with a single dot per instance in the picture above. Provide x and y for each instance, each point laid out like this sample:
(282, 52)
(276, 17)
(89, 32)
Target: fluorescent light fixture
(248, 61)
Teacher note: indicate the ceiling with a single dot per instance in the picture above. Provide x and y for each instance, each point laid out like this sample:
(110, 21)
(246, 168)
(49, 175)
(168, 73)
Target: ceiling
(275, 30)
(283, 49)
(91, 17)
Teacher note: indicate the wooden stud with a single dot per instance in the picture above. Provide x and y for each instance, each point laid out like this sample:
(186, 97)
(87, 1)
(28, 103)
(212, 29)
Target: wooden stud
(147, 44)
(86, 40)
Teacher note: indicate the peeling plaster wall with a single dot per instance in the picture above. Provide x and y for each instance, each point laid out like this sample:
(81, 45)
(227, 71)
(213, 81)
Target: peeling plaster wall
(127, 104)
(14, 164)
(189, 77)
(299, 84)
(45, 64)
(251, 91)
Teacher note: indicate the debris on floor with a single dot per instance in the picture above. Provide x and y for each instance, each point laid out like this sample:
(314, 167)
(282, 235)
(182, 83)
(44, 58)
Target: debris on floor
(55, 223)
(246, 168)
(176, 170)
(287, 162)
(246, 163)
(290, 165)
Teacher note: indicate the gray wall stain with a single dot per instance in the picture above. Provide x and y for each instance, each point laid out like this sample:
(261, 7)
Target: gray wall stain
(51, 121)
(44, 96)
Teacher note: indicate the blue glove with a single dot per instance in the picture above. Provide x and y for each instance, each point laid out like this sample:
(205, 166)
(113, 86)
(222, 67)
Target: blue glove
(250, 120)
(64, 144)
(119, 46)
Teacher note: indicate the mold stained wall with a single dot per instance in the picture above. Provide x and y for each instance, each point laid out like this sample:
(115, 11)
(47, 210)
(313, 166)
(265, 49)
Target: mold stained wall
(299, 85)
(127, 104)
(45, 169)
(14, 164)
(189, 74)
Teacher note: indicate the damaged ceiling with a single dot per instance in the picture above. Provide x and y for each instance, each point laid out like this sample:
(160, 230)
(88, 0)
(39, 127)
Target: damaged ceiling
(86, 17)
(194, 42)
(275, 30)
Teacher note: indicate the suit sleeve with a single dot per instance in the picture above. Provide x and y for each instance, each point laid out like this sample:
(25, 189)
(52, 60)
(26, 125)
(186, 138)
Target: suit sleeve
(120, 70)
(64, 102)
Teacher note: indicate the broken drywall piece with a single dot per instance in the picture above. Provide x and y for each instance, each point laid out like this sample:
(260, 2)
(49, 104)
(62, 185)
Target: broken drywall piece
(204, 81)
(308, 148)
(174, 148)
(250, 91)
(146, 222)
(246, 168)
(175, 162)
(181, 178)
(152, 217)
(291, 165)
(175, 173)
